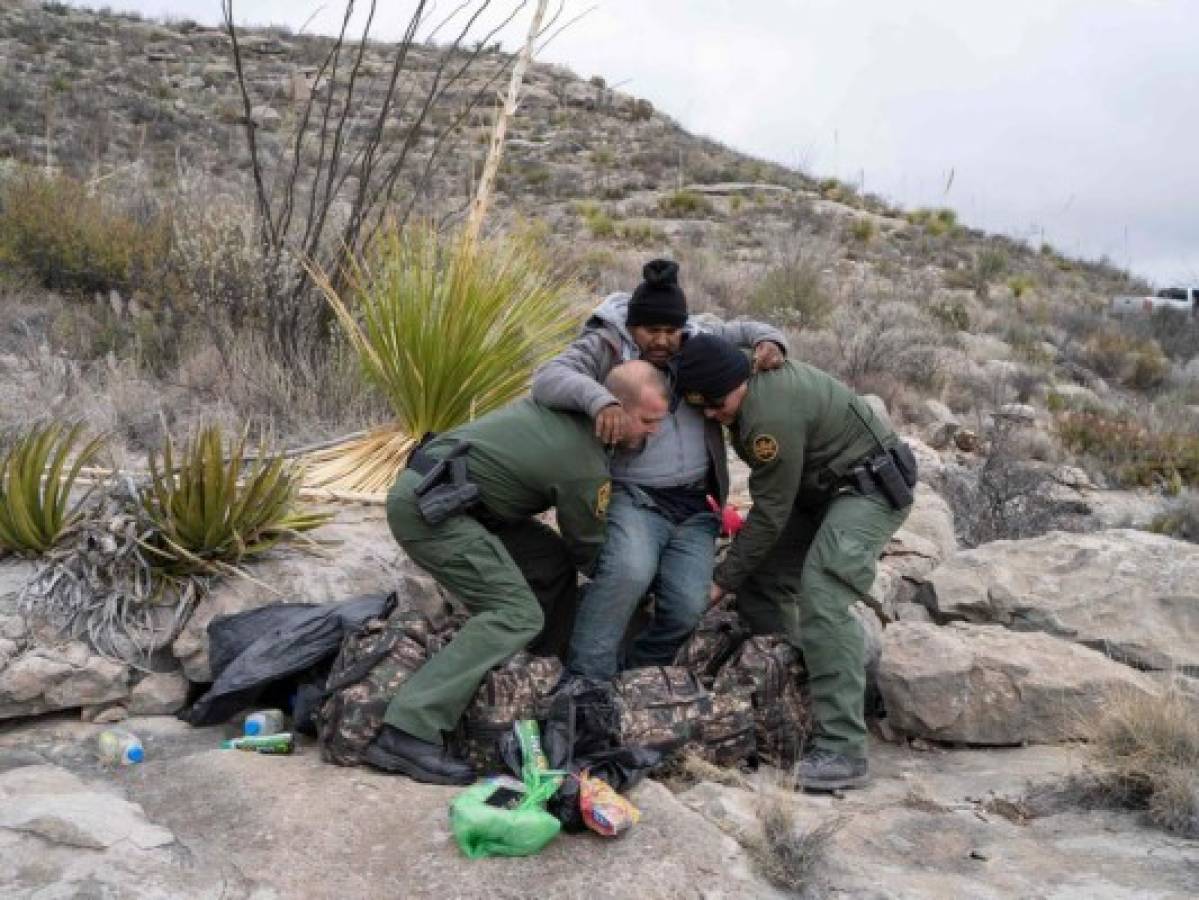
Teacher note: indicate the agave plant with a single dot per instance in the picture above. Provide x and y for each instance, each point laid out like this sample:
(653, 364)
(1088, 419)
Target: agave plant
(447, 329)
(35, 487)
(208, 514)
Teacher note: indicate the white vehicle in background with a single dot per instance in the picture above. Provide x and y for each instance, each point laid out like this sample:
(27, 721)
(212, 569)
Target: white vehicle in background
(1176, 298)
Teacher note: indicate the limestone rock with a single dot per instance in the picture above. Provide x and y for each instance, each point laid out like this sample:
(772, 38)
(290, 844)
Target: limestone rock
(265, 116)
(52, 803)
(925, 827)
(366, 559)
(1020, 413)
(14, 574)
(1130, 594)
(60, 676)
(393, 839)
(159, 693)
(984, 684)
(923, 543)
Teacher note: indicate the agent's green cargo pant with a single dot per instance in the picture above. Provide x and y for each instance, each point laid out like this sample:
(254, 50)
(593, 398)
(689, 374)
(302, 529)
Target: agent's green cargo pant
(824, 560)
(504, 577)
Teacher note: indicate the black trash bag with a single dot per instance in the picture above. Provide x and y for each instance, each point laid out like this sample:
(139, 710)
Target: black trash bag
(261, 652)
(581, 733)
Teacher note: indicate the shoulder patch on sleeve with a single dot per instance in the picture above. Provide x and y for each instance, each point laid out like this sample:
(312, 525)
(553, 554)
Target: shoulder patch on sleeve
(602, 498)
(765, 448)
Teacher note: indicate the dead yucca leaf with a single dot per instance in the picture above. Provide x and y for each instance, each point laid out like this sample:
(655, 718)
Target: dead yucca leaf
(35, 486)
(212, 509)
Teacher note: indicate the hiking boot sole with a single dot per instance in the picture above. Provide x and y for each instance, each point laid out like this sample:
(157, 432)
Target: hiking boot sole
(397, 765)
(835, 784)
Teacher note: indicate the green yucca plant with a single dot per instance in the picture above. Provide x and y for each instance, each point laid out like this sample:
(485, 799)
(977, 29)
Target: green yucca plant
(448, 329)
(209, 514)
(35, 487)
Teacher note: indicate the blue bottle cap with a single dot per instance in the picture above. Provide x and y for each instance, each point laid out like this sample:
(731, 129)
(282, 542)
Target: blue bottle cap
(135, 754)
(253, 726)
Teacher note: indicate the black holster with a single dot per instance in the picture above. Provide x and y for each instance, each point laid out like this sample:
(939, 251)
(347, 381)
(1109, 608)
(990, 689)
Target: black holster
(892, 474)
(446, 490)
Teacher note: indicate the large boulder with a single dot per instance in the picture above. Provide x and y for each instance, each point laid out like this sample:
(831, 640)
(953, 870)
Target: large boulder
(59, 676)
(919, 547)
(364, 559)
(1131, 594)
(14, 573)
(159, 693)
(984, 684)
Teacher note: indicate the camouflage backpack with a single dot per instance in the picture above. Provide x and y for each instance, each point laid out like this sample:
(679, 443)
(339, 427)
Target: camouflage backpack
(519, 689)
(771, 672)
(372, 664)
(666, 708)
(718, 636)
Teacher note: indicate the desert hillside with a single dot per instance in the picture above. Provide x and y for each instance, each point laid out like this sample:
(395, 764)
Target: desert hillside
(192, 234)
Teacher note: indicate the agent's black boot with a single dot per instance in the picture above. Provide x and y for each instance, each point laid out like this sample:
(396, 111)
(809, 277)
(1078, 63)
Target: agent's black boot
(399, 752)
(824, 770)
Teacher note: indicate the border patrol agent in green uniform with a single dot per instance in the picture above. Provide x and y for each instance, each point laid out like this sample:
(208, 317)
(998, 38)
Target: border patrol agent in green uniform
(831, 483)
(463, 510)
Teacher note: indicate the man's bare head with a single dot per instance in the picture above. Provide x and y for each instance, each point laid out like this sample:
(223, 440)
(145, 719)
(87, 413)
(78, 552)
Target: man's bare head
(643, 394)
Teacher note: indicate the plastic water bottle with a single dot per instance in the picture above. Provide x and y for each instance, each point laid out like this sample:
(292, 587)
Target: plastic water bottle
(120, 747)
(263, 722)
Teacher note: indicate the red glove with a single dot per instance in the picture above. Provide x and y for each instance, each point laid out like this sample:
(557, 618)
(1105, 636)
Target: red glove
(731, 521)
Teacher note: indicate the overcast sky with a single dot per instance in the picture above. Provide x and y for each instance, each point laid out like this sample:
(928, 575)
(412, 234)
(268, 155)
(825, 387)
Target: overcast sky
(1075, 121)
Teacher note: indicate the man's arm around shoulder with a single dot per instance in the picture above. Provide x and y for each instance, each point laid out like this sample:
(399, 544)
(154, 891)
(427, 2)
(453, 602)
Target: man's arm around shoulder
(573, 380)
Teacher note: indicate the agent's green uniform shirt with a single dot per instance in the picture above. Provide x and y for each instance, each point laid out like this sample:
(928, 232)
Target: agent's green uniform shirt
(800, 431)
(527, 458)
(810, 545)
(515, 575)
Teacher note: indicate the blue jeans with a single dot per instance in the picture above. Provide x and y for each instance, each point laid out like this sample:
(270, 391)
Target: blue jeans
(643, 551)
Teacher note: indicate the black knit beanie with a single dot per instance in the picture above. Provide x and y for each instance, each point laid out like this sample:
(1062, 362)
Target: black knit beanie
(659, 300)
(709, 368)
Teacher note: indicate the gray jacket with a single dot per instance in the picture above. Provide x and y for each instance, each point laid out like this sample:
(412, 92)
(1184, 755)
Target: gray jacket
(573, 380)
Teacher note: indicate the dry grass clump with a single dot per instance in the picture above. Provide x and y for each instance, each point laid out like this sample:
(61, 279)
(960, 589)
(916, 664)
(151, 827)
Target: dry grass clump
(1150, 750)
(788, 857)
(695, 768)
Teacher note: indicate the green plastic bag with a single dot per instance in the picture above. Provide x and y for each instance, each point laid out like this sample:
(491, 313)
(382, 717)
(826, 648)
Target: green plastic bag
(514, 822)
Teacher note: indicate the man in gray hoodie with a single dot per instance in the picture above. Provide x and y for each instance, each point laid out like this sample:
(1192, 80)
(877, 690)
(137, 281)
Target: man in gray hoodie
(661, 532)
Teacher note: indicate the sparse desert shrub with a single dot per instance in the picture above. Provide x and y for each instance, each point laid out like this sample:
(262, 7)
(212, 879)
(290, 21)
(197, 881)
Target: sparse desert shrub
(1132, 452)
(1175, 332)
(862, 230)
(1021, 285)
(72, 240)
(794, 292)
(1149, 747)
(952, 314)
(988, 265)
(600, 225)
(1138, 362)
(1005, 498)
(684, 203)
(1180, 521)
(788, 857)
(639, 234)
(935, 222)
(887, 337)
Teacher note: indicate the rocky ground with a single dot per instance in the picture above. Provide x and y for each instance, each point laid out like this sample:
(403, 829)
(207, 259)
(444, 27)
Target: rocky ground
(196, 821)
(984, 664)
(1016, 643)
